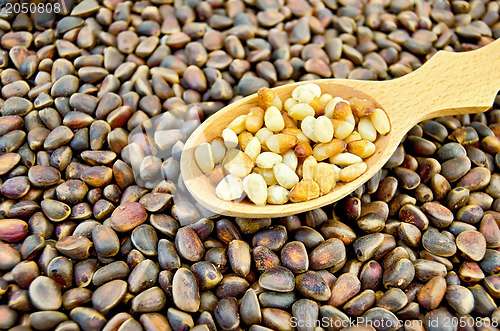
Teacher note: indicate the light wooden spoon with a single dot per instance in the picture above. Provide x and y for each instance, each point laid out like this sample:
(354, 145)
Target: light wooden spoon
(448, 84)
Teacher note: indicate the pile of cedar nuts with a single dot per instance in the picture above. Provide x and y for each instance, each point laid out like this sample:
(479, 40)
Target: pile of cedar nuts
(280, 157)
(88, 244)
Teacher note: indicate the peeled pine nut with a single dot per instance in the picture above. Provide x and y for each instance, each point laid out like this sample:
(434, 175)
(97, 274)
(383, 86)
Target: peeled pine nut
(300, 111)
(285, 176)
(204, 158)
(253, 148)
(350, 119)
(289, 103)
(361, 107)
(218, 149)
(229, 188)
(303, 149)
(325, 98)
(354, 136)
(289, 121)
(325, 177)
(366, 129)
(277, 195)
(305, 97)
(380, 121)
(361, 148)
(244, 138)
(337, 172)
(305, 190)
(230, 138)
(290, 159)
(312, 89)
(267, 174)
(330, 106)
(309, 168)
(279, 143)
(268, 98)
(301, 137)
(307, 126)
(323, 151)
(352, 172)
(323, 129)
(318, 107)
(342, 129)
(256, 188)
(238, 124)
(263, 133)
(273, 119)
(237, 163)
(255, 119)
(345, 159)
(267, 160)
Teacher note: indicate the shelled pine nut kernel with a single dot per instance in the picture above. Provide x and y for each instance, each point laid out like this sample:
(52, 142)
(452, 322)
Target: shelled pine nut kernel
(295, 150)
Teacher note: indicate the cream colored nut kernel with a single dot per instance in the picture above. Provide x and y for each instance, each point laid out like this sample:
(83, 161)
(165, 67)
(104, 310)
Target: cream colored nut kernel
(229, 188)
(230, 138)
(342, 129)
(237, 163)
(309, 168)
(273, 119)
(217, 175)
(325, 98)
(345, 159)
(256, 188)
(253, 148)
(301, 137)
(277, 195)
(307, 126)
(291, 160)
(279, 143)
(301, 111)
(263, 133)
(350, 119)
(337, 172)
(267, 174)
(304, 190)
(380, 121)
(323, 129)
(268, 98)
(267, 160)
(218, 149)
(254, 119)
(204, 158)
(303, 149)
(325, 177)
(354, 136)
(313, 89)
(330, 106)
(366, 129)
(352, 172)
(289, 103)
(305, 97)
(361, 148)
(285, 176)
(244, 138)
(323, 151)
(238, 124)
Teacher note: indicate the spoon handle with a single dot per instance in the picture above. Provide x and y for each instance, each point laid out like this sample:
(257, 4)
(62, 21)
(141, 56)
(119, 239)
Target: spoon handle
(448, 84)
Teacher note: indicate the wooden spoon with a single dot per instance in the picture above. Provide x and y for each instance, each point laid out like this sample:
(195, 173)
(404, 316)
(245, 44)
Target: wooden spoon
(448, 84)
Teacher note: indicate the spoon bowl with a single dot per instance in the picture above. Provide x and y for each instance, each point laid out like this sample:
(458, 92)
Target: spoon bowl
(448, 84)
